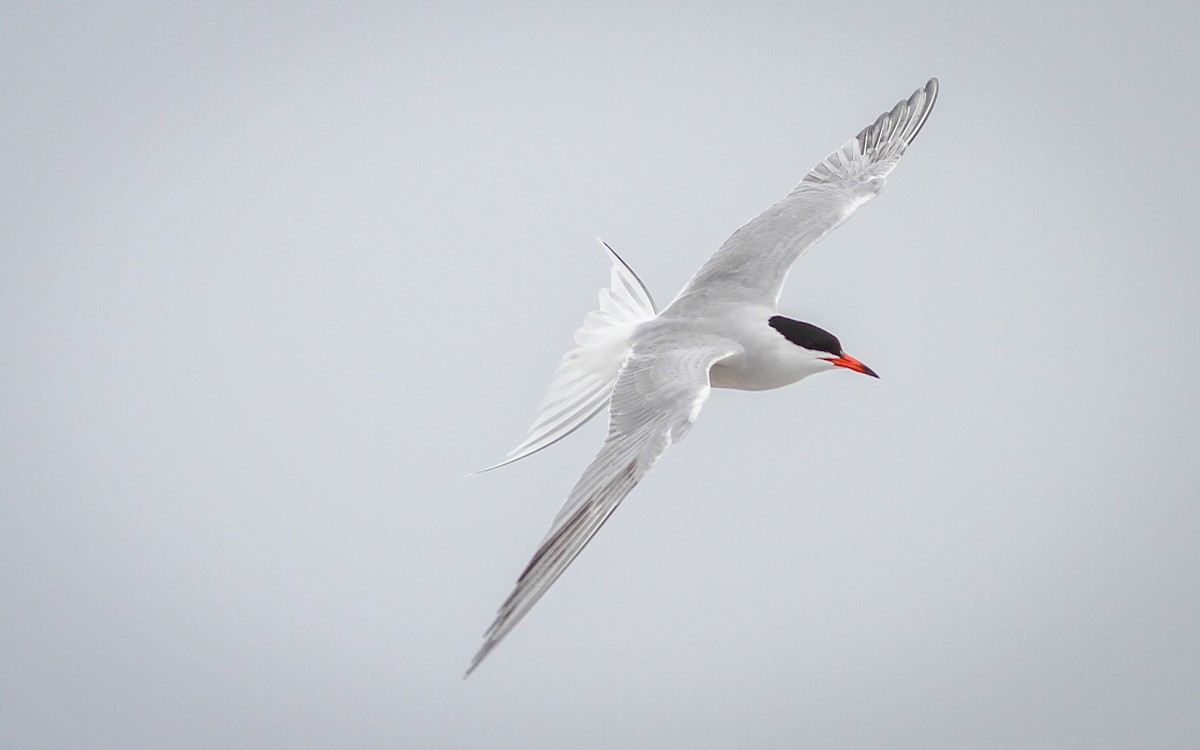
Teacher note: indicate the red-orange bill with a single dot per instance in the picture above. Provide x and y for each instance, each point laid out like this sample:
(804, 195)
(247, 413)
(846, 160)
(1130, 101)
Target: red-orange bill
(850, 363)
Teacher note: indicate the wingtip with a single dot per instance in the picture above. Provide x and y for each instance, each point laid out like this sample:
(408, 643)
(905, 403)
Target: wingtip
(479, 657)
(931, 90)
(919, 106)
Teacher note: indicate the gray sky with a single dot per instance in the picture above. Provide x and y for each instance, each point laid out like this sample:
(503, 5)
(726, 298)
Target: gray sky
(274, 279)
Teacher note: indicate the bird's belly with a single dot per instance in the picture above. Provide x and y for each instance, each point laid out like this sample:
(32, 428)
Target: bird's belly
(745, 373)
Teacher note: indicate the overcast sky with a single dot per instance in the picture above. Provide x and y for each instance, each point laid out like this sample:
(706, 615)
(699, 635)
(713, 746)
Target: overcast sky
(275, 277)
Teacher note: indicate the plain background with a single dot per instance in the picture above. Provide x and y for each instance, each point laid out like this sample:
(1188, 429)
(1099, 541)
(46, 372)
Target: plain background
(276, 276)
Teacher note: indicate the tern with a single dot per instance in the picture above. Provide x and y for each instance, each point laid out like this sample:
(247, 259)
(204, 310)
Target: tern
(654, 370)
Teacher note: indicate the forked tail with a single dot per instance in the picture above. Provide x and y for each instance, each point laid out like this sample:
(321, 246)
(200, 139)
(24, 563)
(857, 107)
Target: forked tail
(584, 379)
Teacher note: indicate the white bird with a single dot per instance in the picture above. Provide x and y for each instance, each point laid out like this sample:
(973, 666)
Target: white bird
(656, 369)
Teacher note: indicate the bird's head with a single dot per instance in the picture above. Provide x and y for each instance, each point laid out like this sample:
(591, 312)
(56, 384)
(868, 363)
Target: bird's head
(822, 346)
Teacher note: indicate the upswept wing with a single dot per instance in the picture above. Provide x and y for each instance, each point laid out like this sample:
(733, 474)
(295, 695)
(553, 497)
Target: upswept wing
(655, 402)
(752, 264)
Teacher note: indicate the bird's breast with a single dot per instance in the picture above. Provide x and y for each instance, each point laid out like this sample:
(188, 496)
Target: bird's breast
(767, 360)
(746, 372)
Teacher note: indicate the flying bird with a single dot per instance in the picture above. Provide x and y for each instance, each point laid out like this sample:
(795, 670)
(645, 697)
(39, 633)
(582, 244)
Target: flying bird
(655, 369)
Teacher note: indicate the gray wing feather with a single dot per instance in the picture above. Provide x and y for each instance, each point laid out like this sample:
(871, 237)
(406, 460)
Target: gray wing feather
(655, 401)
(753, 263)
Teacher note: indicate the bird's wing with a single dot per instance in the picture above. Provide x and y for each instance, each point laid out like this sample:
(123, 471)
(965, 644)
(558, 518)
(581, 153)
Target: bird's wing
(752, 264)
(656, 399)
